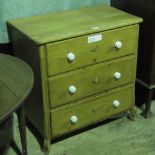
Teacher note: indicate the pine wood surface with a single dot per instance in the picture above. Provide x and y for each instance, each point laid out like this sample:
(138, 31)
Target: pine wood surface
(44, 42)
(59, 26)
(90, 110)
(83, 80)
(90, 53)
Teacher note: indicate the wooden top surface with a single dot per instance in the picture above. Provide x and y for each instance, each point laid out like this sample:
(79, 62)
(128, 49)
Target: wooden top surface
(16, 81)
(58, 26)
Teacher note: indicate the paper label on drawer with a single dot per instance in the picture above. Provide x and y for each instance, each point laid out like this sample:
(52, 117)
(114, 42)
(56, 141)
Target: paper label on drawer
(94, 38)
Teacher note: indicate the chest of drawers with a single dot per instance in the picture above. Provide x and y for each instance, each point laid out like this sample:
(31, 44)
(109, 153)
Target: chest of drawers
(84, 62)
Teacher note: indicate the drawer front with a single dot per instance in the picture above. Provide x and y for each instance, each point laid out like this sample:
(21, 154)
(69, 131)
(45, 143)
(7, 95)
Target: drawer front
(74, 116)
(74, 53)
(65, 88)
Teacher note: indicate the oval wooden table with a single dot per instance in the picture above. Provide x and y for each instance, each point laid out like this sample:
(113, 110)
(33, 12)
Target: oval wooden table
(16, 82)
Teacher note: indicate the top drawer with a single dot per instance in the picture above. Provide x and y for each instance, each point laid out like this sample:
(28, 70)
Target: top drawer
(74, 53)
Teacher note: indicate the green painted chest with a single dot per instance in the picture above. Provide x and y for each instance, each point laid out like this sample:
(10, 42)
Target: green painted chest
(84, 62)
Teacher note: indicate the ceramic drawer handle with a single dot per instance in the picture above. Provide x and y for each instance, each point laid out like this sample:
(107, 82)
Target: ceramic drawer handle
(72, 89)
(118, 44)
(117, 75)
(116, 103)
(74, 119)
(71, 56)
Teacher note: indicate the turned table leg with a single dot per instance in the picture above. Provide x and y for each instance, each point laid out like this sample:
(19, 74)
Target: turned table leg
(22, 129)
(147, 112)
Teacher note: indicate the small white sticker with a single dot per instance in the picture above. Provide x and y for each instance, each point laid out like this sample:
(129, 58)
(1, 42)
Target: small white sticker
(94, 38)
(95, 28)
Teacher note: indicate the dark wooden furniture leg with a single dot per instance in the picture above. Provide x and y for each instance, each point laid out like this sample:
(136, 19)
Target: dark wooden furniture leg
(147, 112)
(15, 147)
(22, 128)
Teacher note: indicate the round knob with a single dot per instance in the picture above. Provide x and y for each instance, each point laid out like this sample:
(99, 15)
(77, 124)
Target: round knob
(74, 119)
(118, 44)
(72, 89)
(116, 103)
(117, 75)
(71, 56)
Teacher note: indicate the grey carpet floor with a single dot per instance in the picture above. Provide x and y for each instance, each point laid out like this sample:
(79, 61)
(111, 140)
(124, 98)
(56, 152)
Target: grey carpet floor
(118, 137)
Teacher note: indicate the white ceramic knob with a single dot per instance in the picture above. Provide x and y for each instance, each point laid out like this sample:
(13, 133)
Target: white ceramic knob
(71, 56)
(74, 119)
(116, 103)
(117, 75)
(72, 89)
(118, 44)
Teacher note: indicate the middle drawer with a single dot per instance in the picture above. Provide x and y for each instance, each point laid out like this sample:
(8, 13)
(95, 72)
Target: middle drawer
(71, 86)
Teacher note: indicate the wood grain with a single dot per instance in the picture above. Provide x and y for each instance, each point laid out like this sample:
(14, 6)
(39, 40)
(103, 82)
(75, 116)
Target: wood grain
(59, 26)
(44, 42)
(90, 110)
(83, 80)
(57, 61)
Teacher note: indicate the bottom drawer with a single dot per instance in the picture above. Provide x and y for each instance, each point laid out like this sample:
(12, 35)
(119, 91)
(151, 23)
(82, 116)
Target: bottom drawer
(88, 111)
